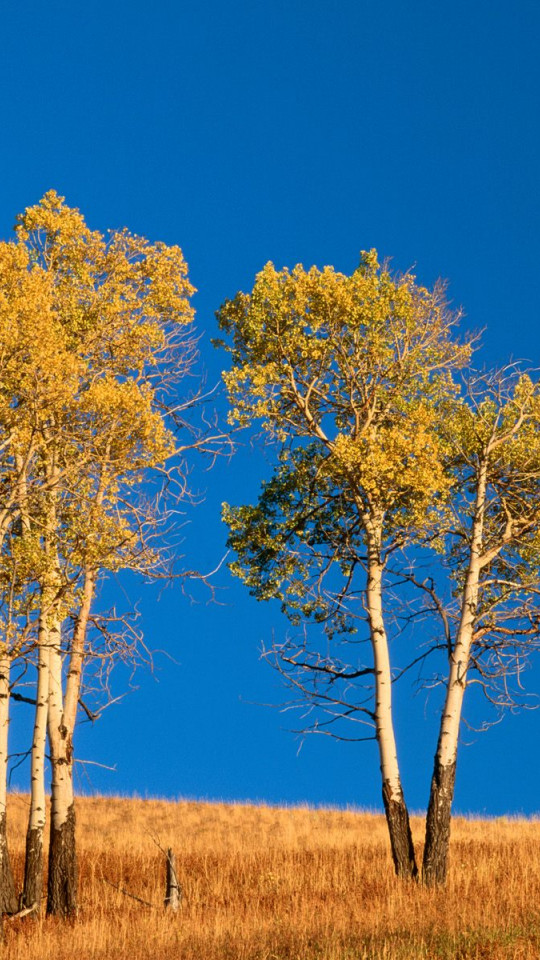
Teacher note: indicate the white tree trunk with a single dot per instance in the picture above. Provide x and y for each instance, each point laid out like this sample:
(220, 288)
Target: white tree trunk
(438, 821)
(62, 715)
(62, 881)
(77, 653)
(8, 898)
(33, 871)
(394, 803)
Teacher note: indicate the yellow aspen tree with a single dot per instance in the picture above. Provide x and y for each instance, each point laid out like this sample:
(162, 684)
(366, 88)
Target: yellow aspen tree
(345, 374)
(493, 545)
(120, 309)
(33, 373)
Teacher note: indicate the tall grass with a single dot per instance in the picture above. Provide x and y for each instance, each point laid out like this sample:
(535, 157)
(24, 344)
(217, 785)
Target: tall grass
(282, 884)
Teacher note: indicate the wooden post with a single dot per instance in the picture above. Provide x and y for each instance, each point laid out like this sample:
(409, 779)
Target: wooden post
(173, 893)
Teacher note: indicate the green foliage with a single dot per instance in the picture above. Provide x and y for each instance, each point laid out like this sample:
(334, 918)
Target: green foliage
(301, 532)
(348, 375)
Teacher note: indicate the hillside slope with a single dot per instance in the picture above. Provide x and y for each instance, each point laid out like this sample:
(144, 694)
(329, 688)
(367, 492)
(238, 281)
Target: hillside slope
(282, 884)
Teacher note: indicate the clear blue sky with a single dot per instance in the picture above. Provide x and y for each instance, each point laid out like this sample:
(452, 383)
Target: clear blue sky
(298, 131)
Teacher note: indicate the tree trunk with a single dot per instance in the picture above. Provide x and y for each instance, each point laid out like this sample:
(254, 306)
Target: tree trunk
(8, 896)
(63, 873)
(399, 829)
(439, 815)
(397, 815)
(438, 821)
(62, 715)
(33, 866)
(63, 868)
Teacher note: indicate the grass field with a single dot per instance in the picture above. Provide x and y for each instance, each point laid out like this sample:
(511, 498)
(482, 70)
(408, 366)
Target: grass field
(282, 884)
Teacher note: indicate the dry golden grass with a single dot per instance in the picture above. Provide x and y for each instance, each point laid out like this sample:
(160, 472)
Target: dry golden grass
(282, 884)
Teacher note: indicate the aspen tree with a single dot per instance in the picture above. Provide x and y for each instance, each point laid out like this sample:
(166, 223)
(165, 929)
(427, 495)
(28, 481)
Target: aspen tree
(39, 377)
(345, 374)
(120, 307)
(34, 370)
(494, 549)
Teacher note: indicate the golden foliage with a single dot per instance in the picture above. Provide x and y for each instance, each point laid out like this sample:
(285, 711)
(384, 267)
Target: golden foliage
(90, 328)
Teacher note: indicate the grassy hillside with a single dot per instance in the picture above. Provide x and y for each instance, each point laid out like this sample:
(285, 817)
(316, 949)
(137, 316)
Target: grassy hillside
(282, 884)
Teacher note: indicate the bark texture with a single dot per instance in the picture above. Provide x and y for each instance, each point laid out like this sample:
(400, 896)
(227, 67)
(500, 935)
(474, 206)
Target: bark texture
(63, 870)
(438, 821)
(33, 869)
(8, 896)
(399, 828)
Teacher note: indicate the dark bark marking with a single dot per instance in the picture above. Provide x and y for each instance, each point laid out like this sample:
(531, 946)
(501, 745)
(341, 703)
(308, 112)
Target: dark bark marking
(33, 869)
(8, 897)
(438, 822)
(63, 870)
(399, 828)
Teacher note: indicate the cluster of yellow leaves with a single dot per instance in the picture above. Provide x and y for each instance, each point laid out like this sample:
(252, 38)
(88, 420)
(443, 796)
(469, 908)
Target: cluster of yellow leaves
(131, 431)
(314, 326)
(88, 326)
(394, 464)
(357, 363)
(120, 290)
(36, 367)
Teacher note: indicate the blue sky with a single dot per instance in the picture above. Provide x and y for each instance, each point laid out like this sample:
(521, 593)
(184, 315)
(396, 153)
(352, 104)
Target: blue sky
(299, 131)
